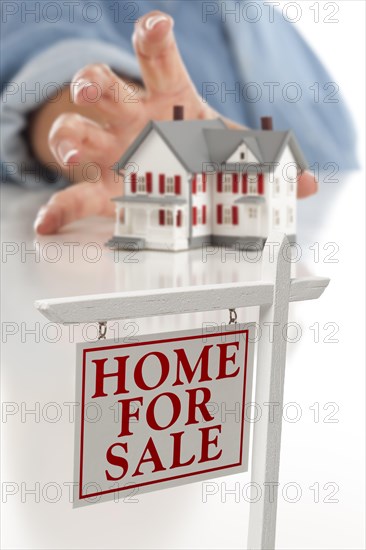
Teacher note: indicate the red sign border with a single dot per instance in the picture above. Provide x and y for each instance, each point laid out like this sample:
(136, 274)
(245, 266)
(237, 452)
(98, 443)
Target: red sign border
(118, 346)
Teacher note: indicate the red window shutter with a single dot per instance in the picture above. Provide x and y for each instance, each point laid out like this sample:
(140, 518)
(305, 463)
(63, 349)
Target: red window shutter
(133, 182)
(194, 215)
(149, 182)
(235, 215)
(161, 184)
(194, 184)
(245, 183)
(179, 218)
(219, 213)
(204, 181)
(260, 184)
(177, 180)
(235, 183)
(161, 217)
(204, 214)
(219, 182)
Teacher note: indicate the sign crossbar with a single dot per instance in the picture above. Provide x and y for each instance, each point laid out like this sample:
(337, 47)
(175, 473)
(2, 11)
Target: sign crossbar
(171, 301)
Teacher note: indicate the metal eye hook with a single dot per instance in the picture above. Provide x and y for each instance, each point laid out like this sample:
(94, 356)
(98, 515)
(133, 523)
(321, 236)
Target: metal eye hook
(102, 330)
(233, 316)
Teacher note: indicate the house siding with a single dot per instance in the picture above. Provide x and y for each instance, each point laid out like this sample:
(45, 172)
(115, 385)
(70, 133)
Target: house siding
(154, 157)
(281, 197)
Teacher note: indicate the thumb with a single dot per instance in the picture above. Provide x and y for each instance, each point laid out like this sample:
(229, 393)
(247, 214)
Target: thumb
(76, 202)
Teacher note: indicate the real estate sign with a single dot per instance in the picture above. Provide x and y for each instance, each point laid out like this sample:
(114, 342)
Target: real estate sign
(161, 411)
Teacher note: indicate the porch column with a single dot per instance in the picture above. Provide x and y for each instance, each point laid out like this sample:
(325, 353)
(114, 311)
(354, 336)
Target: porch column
(117, 229)
(151, 211)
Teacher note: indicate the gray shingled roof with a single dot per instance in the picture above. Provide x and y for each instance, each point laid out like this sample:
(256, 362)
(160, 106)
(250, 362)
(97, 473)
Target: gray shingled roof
(184, 137)
(195, 142)
(266, 145)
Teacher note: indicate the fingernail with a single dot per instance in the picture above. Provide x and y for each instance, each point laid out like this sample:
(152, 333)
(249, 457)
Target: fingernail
(39, 222)
(65, 151)
(79, 88)
(152, 21)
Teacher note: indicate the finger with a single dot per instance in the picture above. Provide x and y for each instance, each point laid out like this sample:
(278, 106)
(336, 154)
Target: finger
(161, 64)
(99, 86)
(307, 185)
(74, 203)
(74, 139)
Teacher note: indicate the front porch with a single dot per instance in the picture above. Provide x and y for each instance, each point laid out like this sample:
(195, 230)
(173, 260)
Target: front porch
(150, 222)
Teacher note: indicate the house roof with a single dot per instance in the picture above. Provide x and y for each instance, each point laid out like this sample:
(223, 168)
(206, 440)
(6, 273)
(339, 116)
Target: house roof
(266, 145)
(195, 142)
(184, 137)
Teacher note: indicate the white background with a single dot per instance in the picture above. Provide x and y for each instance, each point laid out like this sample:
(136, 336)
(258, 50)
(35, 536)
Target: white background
(312, 452)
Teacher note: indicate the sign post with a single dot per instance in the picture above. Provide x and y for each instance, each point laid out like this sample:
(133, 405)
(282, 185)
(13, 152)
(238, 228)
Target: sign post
(165, 384)
(269, 390)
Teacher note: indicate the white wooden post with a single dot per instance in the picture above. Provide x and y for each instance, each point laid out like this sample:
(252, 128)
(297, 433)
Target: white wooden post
(269, 396)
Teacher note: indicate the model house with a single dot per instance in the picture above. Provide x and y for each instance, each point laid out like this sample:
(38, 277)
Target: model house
(190, 182)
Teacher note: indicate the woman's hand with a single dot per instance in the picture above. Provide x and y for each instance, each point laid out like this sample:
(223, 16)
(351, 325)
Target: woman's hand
(120, 110)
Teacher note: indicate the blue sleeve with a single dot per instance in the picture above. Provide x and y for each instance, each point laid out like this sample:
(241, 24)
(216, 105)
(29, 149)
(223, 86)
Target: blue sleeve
(42, 58)
(284, 78)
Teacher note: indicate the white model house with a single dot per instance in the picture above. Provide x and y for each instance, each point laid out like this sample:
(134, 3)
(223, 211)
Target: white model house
(190, 182)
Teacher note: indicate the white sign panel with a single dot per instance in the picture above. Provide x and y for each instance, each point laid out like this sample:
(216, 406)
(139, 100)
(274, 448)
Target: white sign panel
(162, 410)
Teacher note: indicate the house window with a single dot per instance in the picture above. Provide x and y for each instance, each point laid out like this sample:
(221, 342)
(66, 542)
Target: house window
(198, 183)
(252, 184)
(166, 217)
(201, 182)
(290, 188)
(252, 212)
(199, 215)
(242, 151)
(227, 214)
(141, 184)
(276, 217)
(276, 187)
(169, 217)
(290, 215)
(169, 185)
(227, 182)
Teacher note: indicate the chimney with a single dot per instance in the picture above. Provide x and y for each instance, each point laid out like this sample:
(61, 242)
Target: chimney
(178, 112)
(266, 123)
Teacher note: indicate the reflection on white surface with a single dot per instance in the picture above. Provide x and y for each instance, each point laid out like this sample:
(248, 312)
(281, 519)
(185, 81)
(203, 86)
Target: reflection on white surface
(38, 375)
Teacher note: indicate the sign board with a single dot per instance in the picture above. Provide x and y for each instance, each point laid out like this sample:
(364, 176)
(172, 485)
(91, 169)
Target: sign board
(162, 410)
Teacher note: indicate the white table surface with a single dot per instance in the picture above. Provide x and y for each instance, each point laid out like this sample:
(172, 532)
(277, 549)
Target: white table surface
(37, 452)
